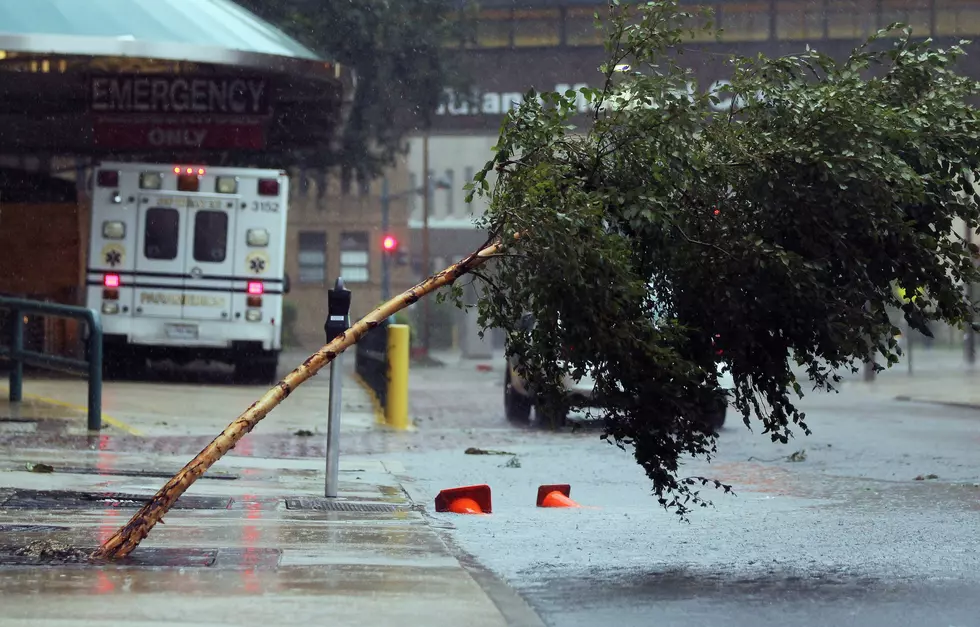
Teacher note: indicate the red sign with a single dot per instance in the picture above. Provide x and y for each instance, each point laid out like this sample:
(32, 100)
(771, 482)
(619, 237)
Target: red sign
(141, 134)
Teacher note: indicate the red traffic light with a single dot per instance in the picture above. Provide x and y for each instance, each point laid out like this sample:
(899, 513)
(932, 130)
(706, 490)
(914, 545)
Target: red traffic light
(389, 243)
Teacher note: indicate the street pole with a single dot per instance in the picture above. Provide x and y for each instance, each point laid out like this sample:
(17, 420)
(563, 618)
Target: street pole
(426, 262)
(385, 256)
(970, 339)
(338, 321)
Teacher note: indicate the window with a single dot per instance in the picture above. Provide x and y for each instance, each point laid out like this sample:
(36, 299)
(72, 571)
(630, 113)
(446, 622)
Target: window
(493, 29)
(744, 22)
(354, 257)
(850, 19)
(312, 257)
(537, 28)
(799, 20)
(914, 13)
(210, 236)
(449, 192)
(957, 17)
(161, 234)
(580, 29)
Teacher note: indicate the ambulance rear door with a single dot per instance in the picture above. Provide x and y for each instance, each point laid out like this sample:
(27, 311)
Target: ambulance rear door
(209, 258)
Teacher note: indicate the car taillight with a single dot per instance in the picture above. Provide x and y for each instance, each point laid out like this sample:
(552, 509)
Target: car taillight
(255, 288)
(110, 280)
(108, 178)
(268, 187)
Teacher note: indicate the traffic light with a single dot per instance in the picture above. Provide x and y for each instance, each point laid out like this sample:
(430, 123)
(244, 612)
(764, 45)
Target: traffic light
(389, 244)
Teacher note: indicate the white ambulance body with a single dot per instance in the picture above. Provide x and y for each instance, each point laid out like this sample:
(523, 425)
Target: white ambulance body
(187, 262)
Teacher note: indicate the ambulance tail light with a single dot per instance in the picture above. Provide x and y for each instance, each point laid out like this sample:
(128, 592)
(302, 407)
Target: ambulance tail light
(256, 288)
(110, 290)
(188, 182)
(268, 187)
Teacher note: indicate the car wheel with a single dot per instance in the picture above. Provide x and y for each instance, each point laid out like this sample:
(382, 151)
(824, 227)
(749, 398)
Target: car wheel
(555, 418)
(516, 407)
(716, 419)
(123, 365)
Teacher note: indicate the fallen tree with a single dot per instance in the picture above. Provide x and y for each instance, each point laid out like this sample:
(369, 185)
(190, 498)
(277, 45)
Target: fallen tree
(133, 532)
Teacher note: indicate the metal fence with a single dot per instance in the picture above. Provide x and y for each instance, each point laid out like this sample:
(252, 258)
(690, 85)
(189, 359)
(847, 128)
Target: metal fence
(19, 353)
(371, 361)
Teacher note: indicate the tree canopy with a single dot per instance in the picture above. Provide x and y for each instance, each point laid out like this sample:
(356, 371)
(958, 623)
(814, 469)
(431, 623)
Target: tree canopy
(402, 66)
(665, 238)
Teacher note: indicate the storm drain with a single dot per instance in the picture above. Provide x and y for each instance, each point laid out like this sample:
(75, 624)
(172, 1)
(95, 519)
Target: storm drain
(80, 470)
(333, 505)
(63, 499)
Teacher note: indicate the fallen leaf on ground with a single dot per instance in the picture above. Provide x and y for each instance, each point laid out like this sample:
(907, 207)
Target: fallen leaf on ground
(39, 467)
(924, 477)
(305, 433)
(479, 451)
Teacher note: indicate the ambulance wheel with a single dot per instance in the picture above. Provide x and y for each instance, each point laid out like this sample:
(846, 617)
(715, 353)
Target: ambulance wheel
(257, 369)
(122, 365)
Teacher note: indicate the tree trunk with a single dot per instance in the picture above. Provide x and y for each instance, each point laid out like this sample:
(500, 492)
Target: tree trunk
(132, 533)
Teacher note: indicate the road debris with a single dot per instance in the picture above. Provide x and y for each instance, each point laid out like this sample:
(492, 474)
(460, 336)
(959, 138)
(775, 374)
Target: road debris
(479, 451)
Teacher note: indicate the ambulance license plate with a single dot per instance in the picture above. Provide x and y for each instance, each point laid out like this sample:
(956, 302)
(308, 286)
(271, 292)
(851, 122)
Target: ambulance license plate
(181, 331)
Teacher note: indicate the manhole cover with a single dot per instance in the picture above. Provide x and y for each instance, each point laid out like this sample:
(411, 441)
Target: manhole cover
(158, 557)
(57, 499)
(334, 505)
(80, 470)
(30, 528)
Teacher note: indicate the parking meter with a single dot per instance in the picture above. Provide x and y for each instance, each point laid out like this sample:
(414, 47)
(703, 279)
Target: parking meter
(338, 310)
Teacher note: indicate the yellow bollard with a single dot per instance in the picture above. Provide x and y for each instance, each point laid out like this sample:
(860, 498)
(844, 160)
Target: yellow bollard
(396, 408)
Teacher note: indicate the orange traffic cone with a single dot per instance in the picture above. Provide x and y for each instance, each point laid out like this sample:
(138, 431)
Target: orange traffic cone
(474, 499)
(556, 496)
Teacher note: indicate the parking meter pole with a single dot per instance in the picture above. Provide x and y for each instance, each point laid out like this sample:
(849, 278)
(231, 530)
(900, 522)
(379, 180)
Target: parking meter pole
(338, 321)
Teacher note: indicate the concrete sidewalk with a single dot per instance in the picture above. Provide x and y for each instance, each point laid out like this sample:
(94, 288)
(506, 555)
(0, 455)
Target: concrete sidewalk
(252, 542)
(938, 376)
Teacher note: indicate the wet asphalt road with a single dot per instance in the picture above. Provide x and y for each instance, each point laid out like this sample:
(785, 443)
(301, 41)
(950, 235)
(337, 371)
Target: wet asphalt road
(847, 536)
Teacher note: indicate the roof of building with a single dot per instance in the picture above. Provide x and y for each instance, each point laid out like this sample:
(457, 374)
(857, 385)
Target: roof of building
(207, 31)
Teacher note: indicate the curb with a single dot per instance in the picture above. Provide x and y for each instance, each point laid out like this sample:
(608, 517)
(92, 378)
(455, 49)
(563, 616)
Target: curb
(910, 399)
(514, 608)
(376, 408)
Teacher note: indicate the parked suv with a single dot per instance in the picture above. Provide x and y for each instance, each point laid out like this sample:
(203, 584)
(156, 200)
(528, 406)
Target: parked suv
(518, 400)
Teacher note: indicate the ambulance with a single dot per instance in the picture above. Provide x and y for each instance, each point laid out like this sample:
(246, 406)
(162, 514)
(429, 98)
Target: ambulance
(186, 262)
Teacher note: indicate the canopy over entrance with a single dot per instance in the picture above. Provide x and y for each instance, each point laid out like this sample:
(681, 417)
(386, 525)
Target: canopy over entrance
(187, 80)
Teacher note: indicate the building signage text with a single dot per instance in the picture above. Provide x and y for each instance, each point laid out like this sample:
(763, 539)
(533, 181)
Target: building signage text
(499, 103)
(134, 93)
(191, 300)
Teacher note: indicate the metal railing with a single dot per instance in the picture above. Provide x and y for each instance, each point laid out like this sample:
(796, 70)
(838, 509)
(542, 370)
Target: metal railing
(371, 361)
(16, 309)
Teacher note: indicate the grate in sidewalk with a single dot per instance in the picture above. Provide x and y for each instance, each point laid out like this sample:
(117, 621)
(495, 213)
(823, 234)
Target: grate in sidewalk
(78, 556)
(81, 470)
(55, 554)
(335, 505)
(63, 499)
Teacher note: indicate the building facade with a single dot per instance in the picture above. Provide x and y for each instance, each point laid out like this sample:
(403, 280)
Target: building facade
(330, 235)
(553, 45)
